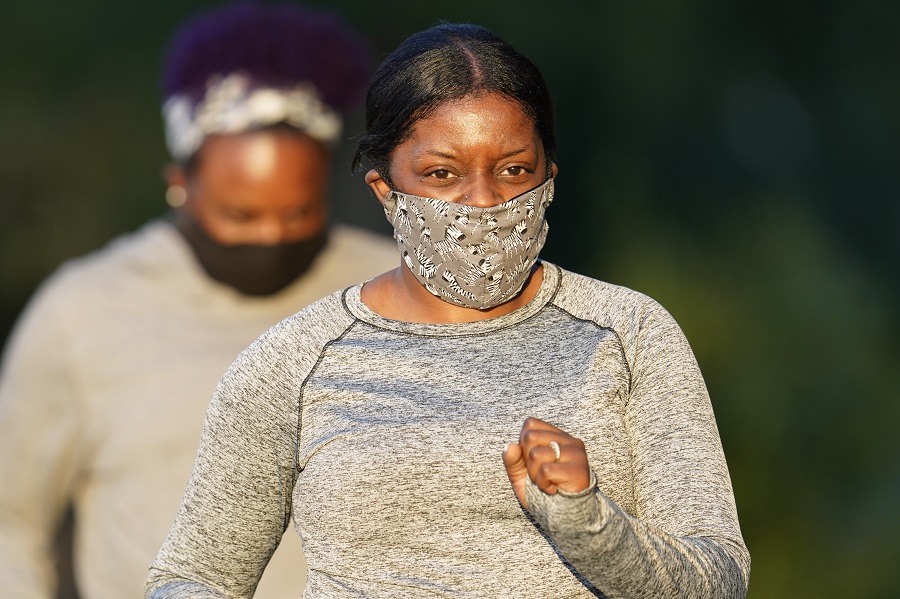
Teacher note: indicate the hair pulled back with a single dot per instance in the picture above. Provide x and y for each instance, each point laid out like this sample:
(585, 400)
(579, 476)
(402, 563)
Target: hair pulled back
(444, 63)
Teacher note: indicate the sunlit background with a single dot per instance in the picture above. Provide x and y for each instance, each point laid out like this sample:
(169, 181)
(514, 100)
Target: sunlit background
(738, 161)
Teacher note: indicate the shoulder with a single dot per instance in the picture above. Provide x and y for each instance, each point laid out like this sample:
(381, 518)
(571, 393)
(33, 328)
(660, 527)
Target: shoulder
(647, 332)
(350, 236)
(362, 246)
(147, 250)
(351, 256)
(636, 318)
(605, 303)
(271, 372)
(81, 297)
(98, 274)
(294, 344)
(317, 323)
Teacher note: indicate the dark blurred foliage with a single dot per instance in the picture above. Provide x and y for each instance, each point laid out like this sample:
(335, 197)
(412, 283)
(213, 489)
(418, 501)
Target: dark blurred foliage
(737, 161)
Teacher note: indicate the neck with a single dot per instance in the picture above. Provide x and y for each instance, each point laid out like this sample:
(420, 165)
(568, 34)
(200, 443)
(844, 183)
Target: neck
(399, 296)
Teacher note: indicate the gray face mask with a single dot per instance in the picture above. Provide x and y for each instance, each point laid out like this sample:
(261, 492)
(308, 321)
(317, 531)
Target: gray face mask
(468, 256)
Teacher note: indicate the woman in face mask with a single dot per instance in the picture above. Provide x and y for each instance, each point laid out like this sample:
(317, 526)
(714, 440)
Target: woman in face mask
(477, 422)
(252, 206)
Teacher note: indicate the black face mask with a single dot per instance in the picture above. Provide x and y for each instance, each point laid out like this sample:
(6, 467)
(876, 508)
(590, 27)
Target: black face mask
(251, 269)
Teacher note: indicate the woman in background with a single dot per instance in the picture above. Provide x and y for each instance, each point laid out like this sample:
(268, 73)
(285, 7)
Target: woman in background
(108, 374)
(390, 420)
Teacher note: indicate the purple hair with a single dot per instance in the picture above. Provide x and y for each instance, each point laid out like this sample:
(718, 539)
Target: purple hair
(277, 45)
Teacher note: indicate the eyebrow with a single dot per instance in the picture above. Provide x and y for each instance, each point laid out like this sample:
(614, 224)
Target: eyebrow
(509, 154)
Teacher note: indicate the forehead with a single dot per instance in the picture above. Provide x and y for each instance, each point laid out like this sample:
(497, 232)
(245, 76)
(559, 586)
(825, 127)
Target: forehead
(257, 156)
(482, 119)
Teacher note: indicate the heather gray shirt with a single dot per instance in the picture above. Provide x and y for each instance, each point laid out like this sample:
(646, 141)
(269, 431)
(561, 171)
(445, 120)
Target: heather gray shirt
(382, 441)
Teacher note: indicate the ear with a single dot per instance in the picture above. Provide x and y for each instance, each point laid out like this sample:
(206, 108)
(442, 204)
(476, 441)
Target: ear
(175, 175)
(176, 185)
(553, 169)
(378, 185)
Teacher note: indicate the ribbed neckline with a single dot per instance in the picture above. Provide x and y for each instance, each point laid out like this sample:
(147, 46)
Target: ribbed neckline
(549, 285)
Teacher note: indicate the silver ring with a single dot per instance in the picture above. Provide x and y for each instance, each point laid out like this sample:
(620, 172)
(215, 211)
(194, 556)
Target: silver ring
(555, 447)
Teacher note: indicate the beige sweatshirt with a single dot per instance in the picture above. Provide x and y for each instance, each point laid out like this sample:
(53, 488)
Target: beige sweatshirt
(103, 388)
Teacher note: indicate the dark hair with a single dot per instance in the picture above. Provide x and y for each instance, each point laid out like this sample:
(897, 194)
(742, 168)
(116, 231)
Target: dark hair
(277, 45)
(447, 62)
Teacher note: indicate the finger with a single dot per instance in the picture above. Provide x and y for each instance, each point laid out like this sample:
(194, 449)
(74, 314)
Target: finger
(551, 477)
(541, 440)
(514, 461)
(536, 457)
(571, 473)
(532, 423)
(513, 458)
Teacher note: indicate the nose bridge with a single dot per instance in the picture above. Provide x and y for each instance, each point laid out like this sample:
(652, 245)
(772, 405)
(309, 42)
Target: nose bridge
(270, 230)
(482, 191)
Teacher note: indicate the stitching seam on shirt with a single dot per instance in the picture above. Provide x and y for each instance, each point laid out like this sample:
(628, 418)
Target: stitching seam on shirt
(465, 335)
(300, 394)
(630, 379)
(599, 326)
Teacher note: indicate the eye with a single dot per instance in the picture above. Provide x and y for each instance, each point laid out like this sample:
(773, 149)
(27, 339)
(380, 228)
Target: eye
(441, 174)
(515, 171)
(236, 215)
(299, 214)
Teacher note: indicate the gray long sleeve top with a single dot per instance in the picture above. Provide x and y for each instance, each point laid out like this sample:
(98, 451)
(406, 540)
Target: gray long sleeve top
(382, 441)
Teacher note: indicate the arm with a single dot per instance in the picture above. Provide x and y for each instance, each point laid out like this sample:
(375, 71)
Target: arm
(39, 448)
(236, 506)
(683, 539)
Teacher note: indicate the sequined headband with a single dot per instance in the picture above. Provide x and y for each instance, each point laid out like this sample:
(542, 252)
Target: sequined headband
(232, 105)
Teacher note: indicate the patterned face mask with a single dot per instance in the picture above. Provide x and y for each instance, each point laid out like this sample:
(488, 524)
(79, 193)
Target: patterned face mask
(468, 256)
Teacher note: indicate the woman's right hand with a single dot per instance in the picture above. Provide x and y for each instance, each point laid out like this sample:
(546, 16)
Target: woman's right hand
(535, 457)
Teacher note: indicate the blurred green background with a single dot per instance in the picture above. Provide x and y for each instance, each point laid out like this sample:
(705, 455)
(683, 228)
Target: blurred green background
(738, 161)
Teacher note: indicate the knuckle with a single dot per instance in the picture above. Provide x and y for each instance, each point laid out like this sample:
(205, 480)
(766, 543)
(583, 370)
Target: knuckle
(546, 471)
